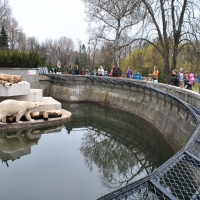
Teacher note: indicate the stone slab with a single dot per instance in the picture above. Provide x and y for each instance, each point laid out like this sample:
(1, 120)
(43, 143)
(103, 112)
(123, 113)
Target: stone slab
(34, 95)
(17, 89)
(48, 103)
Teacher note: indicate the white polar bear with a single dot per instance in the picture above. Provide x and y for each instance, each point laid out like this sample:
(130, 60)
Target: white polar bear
(11, 107)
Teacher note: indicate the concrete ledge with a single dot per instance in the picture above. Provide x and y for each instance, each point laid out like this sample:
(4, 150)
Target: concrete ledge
(48, 103)
(34, 95)
(17, 89)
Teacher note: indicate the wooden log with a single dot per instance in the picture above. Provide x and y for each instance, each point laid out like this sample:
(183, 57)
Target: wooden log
(10, 119)
(37, 115)
(54, 113)
(50, 113)
(45, 116)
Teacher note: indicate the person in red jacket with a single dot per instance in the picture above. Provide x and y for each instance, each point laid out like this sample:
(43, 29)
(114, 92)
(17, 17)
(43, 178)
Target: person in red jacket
(82, 71)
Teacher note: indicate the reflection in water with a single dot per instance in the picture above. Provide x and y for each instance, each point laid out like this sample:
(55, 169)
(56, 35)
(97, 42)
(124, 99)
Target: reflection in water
(122, 146)
(15, 144)
(117, 148)
(117, 164)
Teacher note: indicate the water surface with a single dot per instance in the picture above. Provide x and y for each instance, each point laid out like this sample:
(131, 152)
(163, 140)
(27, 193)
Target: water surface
(99, 150)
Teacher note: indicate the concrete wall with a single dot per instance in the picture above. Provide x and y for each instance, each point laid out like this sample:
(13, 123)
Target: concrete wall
(189, 96)
(169, 115)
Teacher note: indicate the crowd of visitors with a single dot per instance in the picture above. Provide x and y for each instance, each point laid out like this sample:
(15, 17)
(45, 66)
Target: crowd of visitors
(181, 78)
(178, 78)
(115, 72)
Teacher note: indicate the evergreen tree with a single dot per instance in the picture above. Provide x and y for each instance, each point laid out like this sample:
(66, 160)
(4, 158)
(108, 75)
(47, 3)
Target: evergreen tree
(3, 39)
(84, 56)
(77, 61)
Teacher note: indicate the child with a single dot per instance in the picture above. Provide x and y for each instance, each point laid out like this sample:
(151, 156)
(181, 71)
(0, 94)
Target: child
(138, 76)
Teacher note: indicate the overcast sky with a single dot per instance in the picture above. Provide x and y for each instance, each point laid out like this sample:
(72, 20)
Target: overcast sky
(51, 19)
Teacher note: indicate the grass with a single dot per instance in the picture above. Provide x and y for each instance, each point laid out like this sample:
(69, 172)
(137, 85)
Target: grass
(196, 87)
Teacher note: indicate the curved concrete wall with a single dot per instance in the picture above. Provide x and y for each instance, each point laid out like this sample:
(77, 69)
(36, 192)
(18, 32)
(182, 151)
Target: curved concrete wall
(172, 117)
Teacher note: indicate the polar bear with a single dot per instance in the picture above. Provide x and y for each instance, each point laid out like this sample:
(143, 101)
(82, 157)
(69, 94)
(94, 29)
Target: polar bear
(10, 78)
(18, 108)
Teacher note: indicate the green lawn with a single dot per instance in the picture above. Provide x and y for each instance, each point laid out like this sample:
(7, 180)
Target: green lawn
(196, 87)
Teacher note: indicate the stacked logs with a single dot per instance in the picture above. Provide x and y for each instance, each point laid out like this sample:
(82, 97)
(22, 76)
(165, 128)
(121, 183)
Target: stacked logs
(38, 115)
(46, 114)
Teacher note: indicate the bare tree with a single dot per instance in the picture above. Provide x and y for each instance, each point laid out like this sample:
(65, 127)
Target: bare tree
(169, 26)
(21, 40)
(112, 20)
(16, 37)
(64, 48)
(93, 48)
(5, 10)
(48, 50)
(32, 44)
(106, 56)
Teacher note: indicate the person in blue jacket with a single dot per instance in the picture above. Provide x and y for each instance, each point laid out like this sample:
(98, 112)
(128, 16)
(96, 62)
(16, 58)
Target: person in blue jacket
(138, 76)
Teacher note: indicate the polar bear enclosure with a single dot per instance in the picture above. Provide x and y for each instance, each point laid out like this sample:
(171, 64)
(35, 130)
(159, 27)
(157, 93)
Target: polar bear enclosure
(172, 111)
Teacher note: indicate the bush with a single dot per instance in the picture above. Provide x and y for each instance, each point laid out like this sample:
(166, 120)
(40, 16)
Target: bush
(17, 59)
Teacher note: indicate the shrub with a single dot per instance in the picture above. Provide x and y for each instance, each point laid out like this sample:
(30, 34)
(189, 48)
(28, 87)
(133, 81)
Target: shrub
(17, 59)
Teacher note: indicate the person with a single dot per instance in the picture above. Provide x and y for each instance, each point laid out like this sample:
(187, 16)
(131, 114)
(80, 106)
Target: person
(76, 70)
(82, 71)
(53, 70)
(181, 78)
(191, 79)
(111, 72)
(117, 72)
(175, 78)
(186, 80)
(58, 67)
(94, 72)
(129, 73)
(100, 71)
(69, 68)
(105, 73)
(138, 76)
(155, 74)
